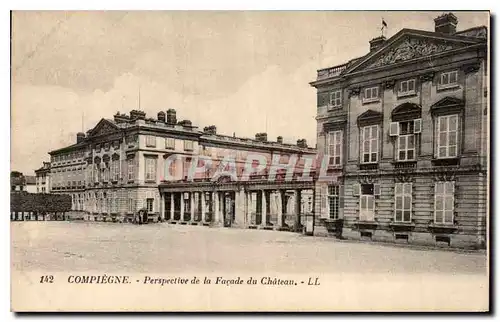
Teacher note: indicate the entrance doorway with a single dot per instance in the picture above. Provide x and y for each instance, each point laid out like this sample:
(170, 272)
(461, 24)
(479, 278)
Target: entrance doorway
(367, 203)
(228, 210)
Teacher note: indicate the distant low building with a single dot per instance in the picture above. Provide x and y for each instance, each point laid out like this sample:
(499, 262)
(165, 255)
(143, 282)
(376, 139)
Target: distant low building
(17, 181)
(20, 182)
(43, 178)
(30, 184)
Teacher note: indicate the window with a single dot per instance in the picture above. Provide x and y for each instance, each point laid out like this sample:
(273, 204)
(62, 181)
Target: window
(170, 143)
(407, 87)
(188, 145)
(371, 94)
(336, 98)
(115, 170)
(447, 136)
(406, 138)
(369, 144)
(105, 173)
(335, 147)
(116, 145)
(150, 141)
(131, 207)
(98, 147)
(367, 201)
(96, 172)
(131, 169)
(106, 146)
(444, 199)
(448, 79)
(149, 204)
(333, 201)
(406, 141)
(114, 203)
(403, 199)
(150, 169)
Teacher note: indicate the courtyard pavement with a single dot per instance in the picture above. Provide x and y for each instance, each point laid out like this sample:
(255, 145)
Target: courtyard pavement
(91, 246)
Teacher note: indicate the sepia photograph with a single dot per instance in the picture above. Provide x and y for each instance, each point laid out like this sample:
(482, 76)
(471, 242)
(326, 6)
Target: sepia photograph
(250, 161)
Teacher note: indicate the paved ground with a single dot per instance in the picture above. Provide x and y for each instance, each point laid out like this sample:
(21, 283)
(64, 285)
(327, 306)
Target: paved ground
(108, 247)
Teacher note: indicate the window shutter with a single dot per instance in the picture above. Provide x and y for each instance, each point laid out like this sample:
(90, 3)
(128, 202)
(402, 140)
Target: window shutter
(394, 129)
(341, 201)
(356, 189)
(376, 189)
(324, 202)
(323, 99)
(417, 126)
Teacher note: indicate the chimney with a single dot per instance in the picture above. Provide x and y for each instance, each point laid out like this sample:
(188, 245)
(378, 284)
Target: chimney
(171, 116)
(302, 143)
(262, 137)
(137, 115)
(161, 116)
(446, 24)
(377, 42)
(186, 123)
(120, 118)
(80, 136)
(212, 129)
(279, 140)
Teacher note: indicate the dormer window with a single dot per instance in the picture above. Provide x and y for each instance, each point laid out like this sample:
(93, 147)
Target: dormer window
(448, 79)
(170, 143)
(370, 94)
(188, 145)
(151, 141)
(406, 87)
(335, 99)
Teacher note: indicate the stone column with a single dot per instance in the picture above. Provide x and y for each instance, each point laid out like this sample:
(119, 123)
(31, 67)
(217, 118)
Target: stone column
(263, 221)
(162, 206)
(203, 214)
(191, 206)
(298, 197)
(239, 208)
(248, 214)
(182, 206)
(172, 206)
(216, 215)
(279, 209)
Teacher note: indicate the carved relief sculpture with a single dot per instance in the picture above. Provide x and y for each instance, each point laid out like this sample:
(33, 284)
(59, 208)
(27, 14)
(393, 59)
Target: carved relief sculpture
(411, 48)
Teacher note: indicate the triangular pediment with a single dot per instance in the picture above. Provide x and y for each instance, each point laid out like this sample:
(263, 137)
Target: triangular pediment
(447, 102)
(103, 127)
(370, 117)
(409, 45)
(406, 108)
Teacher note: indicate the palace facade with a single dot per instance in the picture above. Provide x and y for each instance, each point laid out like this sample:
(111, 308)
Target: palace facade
(406, 128)
(122, 165)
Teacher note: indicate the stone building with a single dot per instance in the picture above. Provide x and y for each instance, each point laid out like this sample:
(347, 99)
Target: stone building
(119, 167)
(406, 127)
(43, 178)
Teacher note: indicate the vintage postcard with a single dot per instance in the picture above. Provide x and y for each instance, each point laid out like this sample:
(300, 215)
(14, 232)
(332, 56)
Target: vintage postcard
(253, 161)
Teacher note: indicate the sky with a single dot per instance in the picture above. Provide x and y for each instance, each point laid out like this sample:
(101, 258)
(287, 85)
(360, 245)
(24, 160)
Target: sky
(245, 72)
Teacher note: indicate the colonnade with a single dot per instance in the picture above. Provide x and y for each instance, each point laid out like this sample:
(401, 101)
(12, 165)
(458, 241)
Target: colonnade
(245, 208)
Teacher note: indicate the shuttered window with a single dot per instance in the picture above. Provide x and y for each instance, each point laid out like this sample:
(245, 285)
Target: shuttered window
(403, 202)
(444, 200)
(447, 136)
